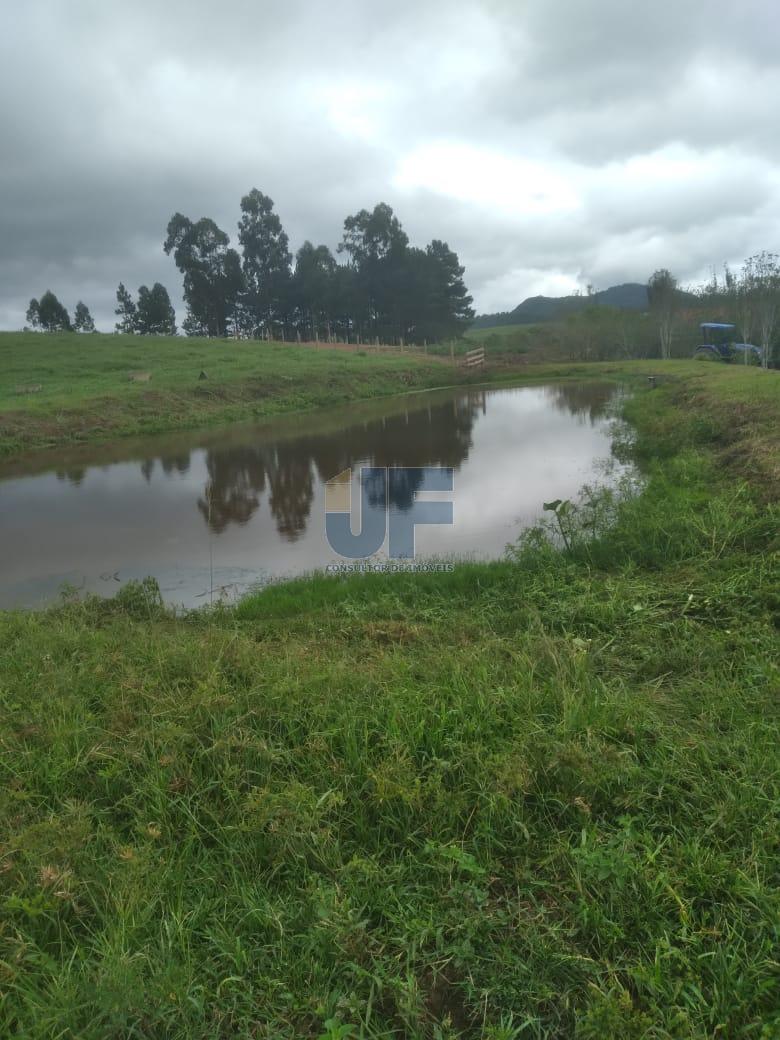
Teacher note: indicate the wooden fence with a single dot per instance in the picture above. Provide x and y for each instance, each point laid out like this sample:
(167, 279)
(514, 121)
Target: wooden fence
(474, 358)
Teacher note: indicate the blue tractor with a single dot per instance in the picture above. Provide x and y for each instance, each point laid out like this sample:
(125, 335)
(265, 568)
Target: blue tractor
(718, 345)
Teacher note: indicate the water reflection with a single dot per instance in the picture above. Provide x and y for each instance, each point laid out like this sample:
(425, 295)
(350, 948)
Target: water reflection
(73, 476)
(235, 506)
(437, 435)
(587, 401)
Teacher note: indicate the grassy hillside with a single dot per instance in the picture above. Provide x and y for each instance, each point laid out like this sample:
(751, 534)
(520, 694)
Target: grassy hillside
(538, 798)
(57, 389)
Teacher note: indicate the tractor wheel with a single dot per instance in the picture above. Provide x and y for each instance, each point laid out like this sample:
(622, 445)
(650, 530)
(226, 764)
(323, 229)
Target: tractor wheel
(704, 354)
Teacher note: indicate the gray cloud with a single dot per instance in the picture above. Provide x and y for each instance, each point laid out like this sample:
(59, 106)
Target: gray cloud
(551, 143)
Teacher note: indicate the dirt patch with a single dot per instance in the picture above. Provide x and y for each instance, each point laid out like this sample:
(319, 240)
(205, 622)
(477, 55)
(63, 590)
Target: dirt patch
(445, 1001)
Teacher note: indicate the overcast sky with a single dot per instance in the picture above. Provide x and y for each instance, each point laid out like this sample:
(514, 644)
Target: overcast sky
(552, 143)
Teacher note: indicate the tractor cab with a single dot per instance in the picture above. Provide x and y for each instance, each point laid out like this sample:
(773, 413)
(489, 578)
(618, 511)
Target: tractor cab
(717, 344)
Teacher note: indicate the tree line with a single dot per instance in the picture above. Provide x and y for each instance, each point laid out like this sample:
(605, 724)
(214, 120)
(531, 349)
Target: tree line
(152, 314)
(386, 289)
(51, 316)
(748, 298)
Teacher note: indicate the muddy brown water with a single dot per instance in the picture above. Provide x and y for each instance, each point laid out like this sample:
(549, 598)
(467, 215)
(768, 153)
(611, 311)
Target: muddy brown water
(213, 514)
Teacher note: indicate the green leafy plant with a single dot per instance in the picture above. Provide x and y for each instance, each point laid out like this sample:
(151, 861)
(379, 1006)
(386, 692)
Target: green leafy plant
(563, 510)
(335, 1031)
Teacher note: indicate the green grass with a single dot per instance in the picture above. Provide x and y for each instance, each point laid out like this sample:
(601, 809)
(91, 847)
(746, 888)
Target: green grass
(518, 343)
(502, 343)
(86, 394)
(534, 798)
(498, 330)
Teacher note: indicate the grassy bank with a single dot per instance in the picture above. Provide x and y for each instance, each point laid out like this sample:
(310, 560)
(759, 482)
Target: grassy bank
(65, 391)
(537, 798)
(61, 389)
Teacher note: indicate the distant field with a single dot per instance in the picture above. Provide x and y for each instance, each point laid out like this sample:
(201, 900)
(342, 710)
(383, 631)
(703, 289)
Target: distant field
(507, 342)
(501, 342)
(498, 330)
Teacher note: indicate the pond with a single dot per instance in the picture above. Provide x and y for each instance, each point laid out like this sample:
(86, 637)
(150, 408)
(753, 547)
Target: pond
(212, 514)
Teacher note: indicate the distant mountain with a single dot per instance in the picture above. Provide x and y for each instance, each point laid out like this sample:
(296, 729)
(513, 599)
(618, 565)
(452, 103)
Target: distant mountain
(629, 296)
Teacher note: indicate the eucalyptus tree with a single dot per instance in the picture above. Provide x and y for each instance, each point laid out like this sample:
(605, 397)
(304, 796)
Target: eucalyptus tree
(314, 288)
(155, 315)
(82, 319)
(212, 274)
(376, 245)
(373, 236)
(48, 314)
(662, 296)
(265, 296)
